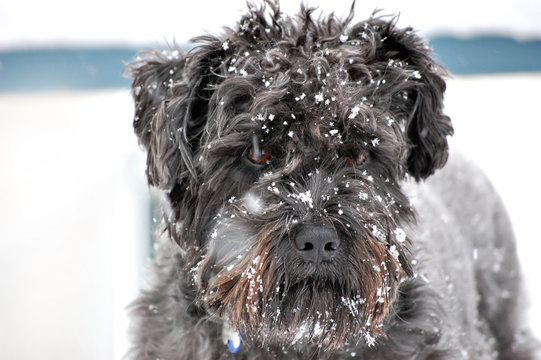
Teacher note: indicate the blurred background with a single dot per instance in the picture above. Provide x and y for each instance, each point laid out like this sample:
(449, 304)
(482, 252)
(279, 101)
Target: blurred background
(75, 211)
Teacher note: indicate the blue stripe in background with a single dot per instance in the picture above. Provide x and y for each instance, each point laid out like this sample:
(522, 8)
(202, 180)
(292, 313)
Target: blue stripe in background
(58, 69)
(489, 54)
(72, 69)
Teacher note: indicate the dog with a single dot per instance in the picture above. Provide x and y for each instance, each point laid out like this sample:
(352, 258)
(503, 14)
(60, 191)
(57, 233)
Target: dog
(307, 210)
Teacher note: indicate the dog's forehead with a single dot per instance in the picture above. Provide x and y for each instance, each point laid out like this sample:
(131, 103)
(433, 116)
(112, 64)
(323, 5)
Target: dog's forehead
(328, 92)
(278, 104)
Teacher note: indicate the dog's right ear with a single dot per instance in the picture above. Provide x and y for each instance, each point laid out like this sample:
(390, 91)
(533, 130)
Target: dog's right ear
(170, 111)
(154, 75)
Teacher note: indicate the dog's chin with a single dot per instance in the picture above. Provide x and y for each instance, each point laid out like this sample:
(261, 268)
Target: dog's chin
(311, 312)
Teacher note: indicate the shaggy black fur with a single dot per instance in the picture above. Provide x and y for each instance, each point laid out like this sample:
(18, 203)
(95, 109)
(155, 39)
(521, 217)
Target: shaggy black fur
(282, 123)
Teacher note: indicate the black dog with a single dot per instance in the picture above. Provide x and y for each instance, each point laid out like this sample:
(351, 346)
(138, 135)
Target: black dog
(291, 154)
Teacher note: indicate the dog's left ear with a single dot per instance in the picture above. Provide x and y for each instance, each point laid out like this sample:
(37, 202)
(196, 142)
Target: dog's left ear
(427, 127)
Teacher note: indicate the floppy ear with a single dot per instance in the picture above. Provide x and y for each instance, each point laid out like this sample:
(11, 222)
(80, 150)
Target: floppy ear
(154, 75)
(427, 127)
(170, 111)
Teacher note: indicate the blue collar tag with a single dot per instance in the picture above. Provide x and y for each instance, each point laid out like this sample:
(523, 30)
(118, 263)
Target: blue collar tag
(231, 338)
(234, 344)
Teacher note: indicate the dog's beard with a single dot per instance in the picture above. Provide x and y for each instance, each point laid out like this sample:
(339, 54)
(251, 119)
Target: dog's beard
(271, 296)
(253, 277)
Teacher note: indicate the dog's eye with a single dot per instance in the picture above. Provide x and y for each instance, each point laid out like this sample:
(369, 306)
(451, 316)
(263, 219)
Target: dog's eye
(259, 157)
(359, 160)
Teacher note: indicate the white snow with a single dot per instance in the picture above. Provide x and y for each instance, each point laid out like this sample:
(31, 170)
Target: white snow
(354, 112)
(253, 203)
(305, 197)
(400, 235)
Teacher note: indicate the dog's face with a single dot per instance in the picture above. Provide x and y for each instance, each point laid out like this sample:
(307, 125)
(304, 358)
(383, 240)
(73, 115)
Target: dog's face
(281, 146)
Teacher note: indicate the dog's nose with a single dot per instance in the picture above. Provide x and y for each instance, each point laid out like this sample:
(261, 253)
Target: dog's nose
(316, 242)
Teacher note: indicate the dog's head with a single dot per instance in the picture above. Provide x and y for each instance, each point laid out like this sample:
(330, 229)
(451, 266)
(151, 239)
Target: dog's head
(281, 145)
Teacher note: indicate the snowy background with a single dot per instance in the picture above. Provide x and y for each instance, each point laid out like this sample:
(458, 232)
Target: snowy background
(74, 207)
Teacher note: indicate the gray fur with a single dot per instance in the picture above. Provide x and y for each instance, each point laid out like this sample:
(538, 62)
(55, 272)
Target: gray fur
(284, 122)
